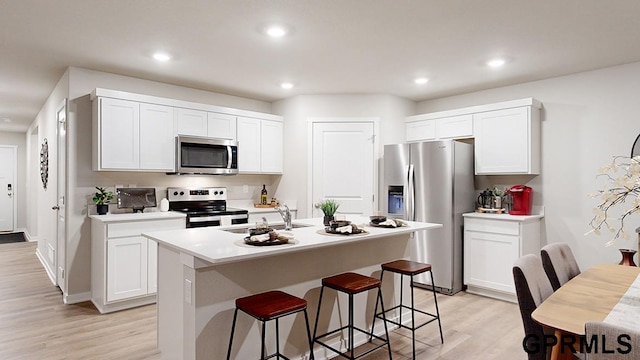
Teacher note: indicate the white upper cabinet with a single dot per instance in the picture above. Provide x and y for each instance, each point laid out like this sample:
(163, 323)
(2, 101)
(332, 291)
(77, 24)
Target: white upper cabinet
(271, 146)
(421, 130)
(130, 136)
(260, 146)
(508, 141)
(135, 132)
(157, 140)
(248, 144)
(454, 127)
(427, 127)
(191, 122)
(506, 134)
(117, 131)
(221, 126)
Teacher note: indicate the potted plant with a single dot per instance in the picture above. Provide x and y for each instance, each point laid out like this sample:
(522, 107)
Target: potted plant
(101, 198)
(329, 208)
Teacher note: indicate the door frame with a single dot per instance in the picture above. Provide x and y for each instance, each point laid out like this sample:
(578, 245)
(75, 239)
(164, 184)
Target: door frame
(60, 266)
(14, 186)
(342, 120)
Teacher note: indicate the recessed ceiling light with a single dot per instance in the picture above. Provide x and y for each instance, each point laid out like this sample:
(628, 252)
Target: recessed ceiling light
(160, 56)
(496, 63)
(286, 85)
(276, 31)
(421, 81)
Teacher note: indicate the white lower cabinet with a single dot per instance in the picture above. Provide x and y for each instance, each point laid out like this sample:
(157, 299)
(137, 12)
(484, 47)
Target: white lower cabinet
(127, 268)
(492, 243)
(124, 264)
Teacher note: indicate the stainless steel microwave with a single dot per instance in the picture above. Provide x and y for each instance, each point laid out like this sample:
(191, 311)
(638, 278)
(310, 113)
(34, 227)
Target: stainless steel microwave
(205, 155)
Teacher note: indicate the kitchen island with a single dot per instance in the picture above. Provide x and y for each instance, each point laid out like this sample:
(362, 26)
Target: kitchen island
(201, 271)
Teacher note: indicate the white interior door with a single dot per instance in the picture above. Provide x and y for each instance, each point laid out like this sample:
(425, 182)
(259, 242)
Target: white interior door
(343, 165)
(61, 115)
(7, 187)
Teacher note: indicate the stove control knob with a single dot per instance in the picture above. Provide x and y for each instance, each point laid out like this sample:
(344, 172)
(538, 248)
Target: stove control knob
(221, 192)
(175, 193)
(215, 192)
(181, 193)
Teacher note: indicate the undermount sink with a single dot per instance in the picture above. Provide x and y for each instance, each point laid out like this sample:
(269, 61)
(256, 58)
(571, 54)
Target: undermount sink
(245, 230)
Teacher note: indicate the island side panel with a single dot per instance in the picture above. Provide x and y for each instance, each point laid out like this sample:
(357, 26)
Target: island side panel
(300, 274)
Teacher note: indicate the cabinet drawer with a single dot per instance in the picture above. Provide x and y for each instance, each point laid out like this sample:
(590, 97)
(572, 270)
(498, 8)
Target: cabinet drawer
(135, 228)
(492, 226)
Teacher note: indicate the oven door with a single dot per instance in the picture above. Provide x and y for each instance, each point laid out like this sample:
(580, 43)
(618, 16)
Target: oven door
(194, 221)
(202, 155)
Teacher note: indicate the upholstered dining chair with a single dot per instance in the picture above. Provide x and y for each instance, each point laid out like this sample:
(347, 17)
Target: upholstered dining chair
(532, 288)
(559, 264)
(606, 336)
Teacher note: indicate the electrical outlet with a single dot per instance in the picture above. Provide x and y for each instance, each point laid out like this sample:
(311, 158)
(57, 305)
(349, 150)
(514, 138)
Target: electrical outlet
(187, 291)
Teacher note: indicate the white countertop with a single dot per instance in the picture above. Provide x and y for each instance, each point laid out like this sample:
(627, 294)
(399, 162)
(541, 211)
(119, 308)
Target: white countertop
(217, 246)
(154, 215)
(504, 217)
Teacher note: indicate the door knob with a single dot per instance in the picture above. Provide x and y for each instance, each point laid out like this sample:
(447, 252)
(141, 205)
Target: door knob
(55, 207)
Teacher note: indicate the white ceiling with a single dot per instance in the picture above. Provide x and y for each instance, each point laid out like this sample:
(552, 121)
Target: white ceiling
(335, 47)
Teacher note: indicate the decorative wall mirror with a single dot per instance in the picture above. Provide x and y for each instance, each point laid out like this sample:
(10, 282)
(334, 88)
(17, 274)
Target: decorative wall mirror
(635, 150)
(44, 163)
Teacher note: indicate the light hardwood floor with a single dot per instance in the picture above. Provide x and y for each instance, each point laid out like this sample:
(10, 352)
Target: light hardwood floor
(35, 324)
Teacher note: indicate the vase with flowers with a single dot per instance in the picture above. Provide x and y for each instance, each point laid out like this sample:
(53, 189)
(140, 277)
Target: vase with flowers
(329, 208)
(618, 199)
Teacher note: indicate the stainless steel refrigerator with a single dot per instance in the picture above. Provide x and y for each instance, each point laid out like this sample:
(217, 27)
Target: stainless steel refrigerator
(432, 182)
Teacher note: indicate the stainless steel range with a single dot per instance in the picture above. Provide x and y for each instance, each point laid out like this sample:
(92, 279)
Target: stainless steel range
(205, 206)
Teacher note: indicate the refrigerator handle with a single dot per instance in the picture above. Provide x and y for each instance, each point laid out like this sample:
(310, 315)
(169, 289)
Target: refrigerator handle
(410, 213)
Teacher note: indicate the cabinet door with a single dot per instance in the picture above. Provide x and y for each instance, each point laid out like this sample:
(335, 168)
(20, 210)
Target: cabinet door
(152, 268)
(221, 126)
(157, 139)
(503, 141)
(455, 127)
(126, 267)
(191, 122)
(248, 144)
(421, 130)
(488, 260)
(119, 134)
(271, 147)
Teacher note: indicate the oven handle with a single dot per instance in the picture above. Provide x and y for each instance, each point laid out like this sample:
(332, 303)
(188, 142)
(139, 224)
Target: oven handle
(215, 218)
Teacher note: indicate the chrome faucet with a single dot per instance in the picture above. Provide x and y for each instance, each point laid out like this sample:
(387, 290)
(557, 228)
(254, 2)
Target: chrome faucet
(286, 215)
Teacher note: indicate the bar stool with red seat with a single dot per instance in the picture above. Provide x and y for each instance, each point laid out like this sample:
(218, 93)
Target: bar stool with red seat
(410, 268)
(266, 306)
(352, 284)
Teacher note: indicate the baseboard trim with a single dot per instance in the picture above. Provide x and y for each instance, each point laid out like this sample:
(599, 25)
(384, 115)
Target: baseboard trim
(496, 294)
(46, 268)
(76, 298)
(29, 237)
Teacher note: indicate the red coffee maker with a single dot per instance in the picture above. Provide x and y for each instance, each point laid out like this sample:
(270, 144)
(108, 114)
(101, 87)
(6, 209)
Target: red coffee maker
(522, 198)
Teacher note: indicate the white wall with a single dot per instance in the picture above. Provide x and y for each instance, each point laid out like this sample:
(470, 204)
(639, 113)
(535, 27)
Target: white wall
(20, 190)
(587, 118)
(296, 111)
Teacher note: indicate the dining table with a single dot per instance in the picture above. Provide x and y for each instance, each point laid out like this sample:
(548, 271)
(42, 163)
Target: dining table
(604, 292)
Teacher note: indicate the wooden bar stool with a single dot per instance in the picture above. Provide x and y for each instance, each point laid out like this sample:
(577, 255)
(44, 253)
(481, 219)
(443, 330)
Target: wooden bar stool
(270, 305)
(410, 268)
(351, 284)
